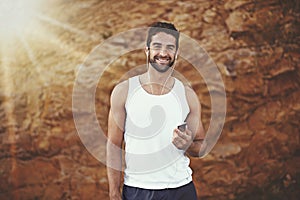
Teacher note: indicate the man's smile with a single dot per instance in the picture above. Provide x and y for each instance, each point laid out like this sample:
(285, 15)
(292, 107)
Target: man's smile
(162, 60)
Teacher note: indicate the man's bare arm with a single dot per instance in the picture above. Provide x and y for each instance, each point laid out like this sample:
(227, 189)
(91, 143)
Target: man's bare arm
(195, 124)
(191, 139)
(116, 121)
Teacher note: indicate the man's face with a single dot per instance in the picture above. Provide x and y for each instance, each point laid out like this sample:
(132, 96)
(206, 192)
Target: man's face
(162, 51)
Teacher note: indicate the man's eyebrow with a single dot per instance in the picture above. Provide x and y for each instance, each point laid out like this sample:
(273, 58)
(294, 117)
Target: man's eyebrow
(156, 43)
(170, 45)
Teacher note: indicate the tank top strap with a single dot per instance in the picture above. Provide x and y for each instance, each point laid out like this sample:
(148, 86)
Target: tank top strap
(179, 87)
(134, 83)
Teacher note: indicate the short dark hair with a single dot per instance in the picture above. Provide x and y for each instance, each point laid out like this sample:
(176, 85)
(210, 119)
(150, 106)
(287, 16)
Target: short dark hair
(162, 27)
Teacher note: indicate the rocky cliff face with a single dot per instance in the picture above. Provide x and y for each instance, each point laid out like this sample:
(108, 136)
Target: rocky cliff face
(255, 45)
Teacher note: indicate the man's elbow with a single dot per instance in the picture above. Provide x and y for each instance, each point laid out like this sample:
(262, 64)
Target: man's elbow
(197, 149)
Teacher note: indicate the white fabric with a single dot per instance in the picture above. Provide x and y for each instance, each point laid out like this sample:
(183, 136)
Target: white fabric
(152, 161)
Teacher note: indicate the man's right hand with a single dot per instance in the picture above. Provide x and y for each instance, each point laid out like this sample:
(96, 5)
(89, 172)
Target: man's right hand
(115, 196)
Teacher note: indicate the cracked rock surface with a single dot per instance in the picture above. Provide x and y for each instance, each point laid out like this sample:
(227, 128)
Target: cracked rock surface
(255, 45)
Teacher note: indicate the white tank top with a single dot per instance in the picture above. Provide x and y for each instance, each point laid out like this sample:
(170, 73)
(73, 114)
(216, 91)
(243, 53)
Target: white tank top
(152, 161)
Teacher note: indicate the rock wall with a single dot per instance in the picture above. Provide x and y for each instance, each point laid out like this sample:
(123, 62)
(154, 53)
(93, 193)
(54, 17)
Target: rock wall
(255, 45)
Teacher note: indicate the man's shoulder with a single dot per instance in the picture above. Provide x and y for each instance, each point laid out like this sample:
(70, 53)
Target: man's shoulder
(122, 85)
(120, 90)
(191, 94)
(188, 89)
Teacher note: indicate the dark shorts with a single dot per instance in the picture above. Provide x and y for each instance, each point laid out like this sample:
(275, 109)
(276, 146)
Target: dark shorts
(186, 192)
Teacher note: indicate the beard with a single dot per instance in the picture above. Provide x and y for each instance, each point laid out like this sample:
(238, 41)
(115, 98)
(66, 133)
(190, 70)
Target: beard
(161, 67)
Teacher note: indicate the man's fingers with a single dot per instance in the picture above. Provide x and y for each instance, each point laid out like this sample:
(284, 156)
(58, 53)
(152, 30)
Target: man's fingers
(188, 132)
(179, 142)
(184, 135)
(178, 133)
(182, 139)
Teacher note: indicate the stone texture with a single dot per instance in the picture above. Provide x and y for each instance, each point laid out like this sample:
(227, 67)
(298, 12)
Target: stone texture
(255, 45)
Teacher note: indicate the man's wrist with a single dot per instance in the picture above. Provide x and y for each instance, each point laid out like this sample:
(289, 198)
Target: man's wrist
(114, 194)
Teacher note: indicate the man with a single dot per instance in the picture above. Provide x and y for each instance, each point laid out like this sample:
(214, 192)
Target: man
(145, 113)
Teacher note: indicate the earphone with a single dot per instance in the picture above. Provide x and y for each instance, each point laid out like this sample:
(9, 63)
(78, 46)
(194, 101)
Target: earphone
(147, 52)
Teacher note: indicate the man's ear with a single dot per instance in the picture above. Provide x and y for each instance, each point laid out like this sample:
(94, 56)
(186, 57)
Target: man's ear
(147, 50)
(176, 54)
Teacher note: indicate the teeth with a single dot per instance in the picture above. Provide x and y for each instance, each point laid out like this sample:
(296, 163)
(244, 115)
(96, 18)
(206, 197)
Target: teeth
(163, 59)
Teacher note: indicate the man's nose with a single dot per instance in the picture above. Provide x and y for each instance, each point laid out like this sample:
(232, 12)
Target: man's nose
(163, 52)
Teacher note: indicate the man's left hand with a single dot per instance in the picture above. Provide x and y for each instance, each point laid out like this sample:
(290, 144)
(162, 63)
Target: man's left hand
(182, 140)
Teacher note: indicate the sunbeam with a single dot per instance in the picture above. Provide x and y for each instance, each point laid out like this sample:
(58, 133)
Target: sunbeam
(62, 45)
(29, 38)
(67, 27)
(8, 105)
(33, 60)
(16, 16)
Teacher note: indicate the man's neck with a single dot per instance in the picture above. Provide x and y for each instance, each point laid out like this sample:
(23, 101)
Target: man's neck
(158, 77)
(158, 83)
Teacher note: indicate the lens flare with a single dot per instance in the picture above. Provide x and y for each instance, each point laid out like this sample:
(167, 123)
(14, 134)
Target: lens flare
(16, 15)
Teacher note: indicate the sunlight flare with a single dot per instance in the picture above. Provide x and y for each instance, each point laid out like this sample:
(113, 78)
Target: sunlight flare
(9, 108)
(67, 27)
(16, 16)
(32, 59)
